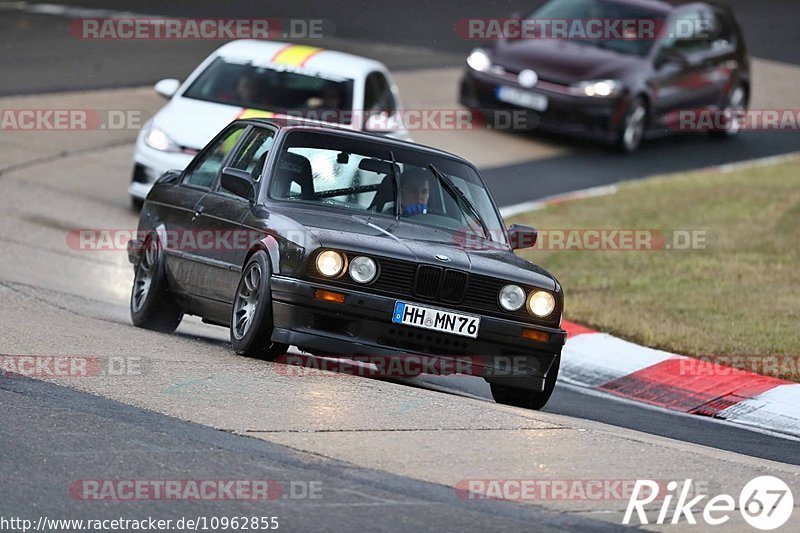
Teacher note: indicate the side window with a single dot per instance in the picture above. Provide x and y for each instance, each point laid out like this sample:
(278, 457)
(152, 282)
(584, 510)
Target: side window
(378, 94)
(203, 172)
(254, 152)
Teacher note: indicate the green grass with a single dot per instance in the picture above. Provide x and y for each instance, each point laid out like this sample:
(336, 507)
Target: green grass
(739, 296)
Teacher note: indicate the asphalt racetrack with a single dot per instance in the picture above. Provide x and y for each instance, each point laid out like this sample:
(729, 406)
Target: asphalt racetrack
(393, 449)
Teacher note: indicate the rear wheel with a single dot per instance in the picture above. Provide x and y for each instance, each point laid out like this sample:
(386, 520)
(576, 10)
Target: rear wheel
(634, 127)
(152, 306)
(251, 316)
(527, 398)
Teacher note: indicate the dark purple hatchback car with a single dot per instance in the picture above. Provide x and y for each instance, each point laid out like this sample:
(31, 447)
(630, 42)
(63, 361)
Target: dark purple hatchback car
(615, 90)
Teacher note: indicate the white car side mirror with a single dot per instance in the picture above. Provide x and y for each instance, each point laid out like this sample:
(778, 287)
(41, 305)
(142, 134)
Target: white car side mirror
(167, 88)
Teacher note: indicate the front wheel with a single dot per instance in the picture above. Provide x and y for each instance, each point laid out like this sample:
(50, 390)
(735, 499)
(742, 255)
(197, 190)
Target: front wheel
(525, 398)
(634, 127)
(251, 316)
(733, 111)
(152, 305)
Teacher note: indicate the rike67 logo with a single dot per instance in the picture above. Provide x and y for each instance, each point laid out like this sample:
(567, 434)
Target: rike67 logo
(766, 503)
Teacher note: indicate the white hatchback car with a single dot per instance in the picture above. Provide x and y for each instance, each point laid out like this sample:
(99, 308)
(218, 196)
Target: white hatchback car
(248, 78)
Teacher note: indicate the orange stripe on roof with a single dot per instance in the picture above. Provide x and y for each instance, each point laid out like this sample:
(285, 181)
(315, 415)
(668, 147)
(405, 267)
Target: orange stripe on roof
(295, 55)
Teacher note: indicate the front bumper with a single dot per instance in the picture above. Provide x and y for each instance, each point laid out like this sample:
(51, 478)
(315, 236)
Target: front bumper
(149, 164)
(598, 119)
(362, 326)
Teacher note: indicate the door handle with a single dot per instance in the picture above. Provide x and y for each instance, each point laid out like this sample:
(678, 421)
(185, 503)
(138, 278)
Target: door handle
(197, 212)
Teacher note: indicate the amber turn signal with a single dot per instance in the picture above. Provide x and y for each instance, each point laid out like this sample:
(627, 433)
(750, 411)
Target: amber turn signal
(535, 335)
(329, 296)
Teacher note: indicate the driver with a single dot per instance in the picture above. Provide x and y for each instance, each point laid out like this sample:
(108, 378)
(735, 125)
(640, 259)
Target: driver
(415, 190)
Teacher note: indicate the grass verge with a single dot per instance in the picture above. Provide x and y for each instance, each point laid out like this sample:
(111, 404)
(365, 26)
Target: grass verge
(738, 296)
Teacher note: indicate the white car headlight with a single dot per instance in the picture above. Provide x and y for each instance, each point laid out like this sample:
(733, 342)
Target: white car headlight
(511, 297)
(479, 60)
(598, 88)
(330, 263)
(158, 140)
(363, 269)
(541, 303)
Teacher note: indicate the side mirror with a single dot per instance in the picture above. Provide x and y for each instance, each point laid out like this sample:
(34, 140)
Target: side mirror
(167, 88)
(239, 183)
(522, 236)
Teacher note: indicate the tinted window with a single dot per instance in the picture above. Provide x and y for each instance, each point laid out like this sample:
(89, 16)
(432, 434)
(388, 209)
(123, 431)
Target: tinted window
(204, 170)
(254, 152)
(602, 10)
(689, 32)
(378, 94)
(270, 89)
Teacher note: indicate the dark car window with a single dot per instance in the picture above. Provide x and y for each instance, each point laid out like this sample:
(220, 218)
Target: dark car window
(203, 171)
(355, 175)
(689, 32)
(378, 94)
(226, 81)
(254, 152)
(585, 10)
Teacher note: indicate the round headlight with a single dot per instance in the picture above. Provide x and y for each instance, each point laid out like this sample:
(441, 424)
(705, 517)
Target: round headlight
(363, 269)
(541, 303)
(330, 263)
(512, 297)
(479, 60)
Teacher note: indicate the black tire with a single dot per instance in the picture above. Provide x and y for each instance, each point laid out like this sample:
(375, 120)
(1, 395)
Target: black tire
(525, 398)
(634, 127)
(735, 102)
(136, 203)
(251, 313)
(152, 306)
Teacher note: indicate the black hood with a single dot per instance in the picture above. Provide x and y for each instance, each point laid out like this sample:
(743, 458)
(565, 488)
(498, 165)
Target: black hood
(406, 241)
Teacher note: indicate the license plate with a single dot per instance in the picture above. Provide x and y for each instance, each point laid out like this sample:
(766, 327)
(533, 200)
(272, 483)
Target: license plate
(436, 319)
(515, 96)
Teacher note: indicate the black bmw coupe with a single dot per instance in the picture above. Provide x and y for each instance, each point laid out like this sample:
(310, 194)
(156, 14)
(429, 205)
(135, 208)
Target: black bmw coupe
(348, 244)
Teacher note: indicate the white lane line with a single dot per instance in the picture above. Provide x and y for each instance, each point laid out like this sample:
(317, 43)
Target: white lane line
(524, 207)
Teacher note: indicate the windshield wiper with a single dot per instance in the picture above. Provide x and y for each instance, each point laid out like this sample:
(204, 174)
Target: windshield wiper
(459, 195)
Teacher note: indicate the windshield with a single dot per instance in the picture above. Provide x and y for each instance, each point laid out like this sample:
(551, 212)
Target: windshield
(365, 177)
(583, 11)
(271, 88)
